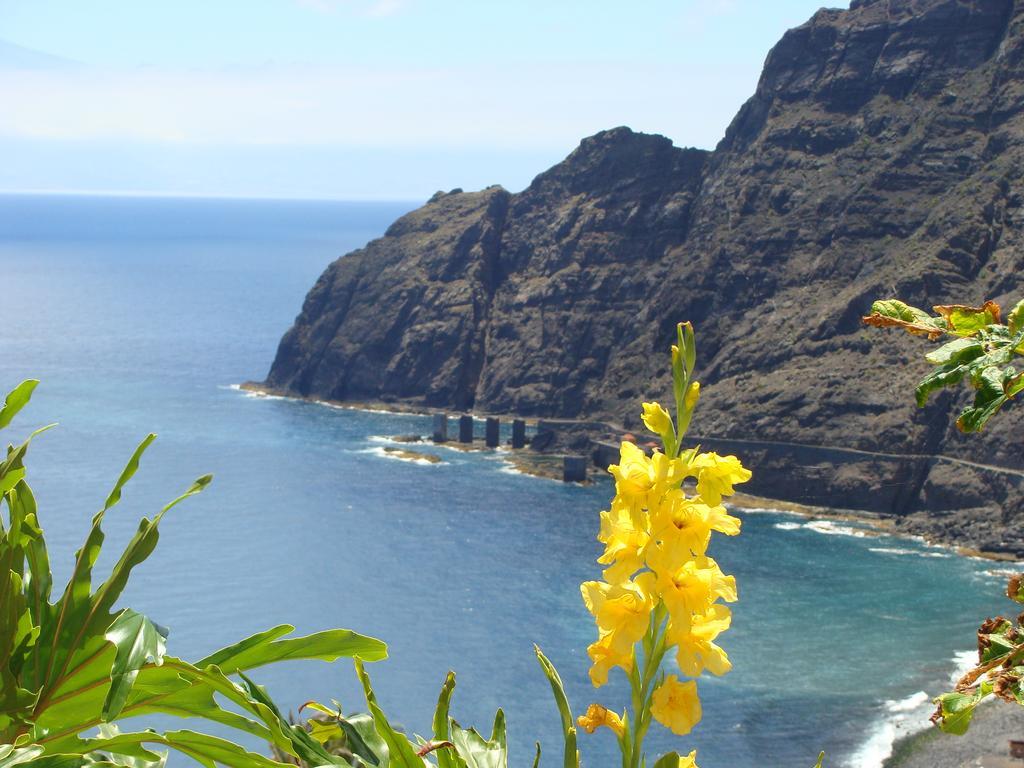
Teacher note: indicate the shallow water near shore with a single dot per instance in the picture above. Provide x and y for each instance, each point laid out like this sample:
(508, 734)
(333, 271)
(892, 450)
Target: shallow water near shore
(140, 314)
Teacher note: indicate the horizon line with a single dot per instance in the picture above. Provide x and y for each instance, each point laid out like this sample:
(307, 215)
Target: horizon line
(204, 196)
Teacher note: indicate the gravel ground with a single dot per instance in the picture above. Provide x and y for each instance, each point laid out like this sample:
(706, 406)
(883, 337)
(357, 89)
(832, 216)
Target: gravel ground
(985, 745)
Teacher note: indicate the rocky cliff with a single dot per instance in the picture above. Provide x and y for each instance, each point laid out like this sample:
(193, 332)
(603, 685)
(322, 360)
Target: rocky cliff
(881, 155)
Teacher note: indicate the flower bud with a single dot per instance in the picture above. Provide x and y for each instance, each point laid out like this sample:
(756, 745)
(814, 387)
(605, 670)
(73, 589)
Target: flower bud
(657, 419)
(692, 395)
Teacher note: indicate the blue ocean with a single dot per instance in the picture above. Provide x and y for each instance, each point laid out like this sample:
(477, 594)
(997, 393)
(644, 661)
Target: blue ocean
(144, 314)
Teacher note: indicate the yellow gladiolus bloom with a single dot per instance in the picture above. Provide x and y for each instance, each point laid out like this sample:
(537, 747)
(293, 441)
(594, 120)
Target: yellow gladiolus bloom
(640, 480)
(689, 587)
(634, 474)
(657, 419)
(716, 476)
(696, 647)
(676, 705)
(625, 536)
(598, 716)
(604, 657)
(690, 761)
(621, 610)
(682, 525)
(720, 520)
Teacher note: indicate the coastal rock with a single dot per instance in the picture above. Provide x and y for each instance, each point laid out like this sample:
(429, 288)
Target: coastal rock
(881, 155)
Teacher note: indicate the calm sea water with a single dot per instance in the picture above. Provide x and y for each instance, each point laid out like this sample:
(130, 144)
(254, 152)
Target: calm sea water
(139, 314)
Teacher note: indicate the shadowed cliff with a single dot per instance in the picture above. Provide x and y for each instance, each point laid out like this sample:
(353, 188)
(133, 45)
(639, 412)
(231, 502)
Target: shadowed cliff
(881, 155)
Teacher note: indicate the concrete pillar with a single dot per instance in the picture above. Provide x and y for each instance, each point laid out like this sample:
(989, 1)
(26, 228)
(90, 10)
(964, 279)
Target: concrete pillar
(440, 427)
(518, 433)
(574, 469)
(465, 429)
(493, 430)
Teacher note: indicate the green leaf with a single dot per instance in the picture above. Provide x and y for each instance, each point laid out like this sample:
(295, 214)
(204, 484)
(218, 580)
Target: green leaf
(16, 399)
(400, 752)
(966, 321)
(446, 758)
(668, 760)
(893, 313)
(989, 398)
(138, 641)
(128, 472)
(945, 376)
(956, 711)
(536, 759)
(11, 755)
(267, 648)
(476, 751)
(1015, 320)
(571, 755)
(961, 350)
(356, 741)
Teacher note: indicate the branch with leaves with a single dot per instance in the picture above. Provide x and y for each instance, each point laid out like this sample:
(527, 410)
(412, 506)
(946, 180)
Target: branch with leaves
(980, 349)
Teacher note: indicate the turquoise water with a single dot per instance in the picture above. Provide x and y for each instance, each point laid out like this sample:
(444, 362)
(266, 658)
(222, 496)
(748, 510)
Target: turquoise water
(140, 315)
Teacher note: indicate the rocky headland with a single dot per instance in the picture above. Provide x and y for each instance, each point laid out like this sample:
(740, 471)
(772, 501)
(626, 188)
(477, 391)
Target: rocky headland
(881, 155)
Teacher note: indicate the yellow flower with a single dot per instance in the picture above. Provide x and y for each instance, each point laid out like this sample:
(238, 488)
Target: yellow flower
(634, 474)
(640, 480)
(696, 647)
(621, 610)
(690, 761)
(716, 476)
(625, 536)
(604, 657)
(657, 419)
(598, 716)
(676, 705)
(682, 525)
(689, 587)
(692, 396)
(720, 520)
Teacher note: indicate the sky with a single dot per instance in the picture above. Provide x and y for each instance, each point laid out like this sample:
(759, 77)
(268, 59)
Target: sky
(358, 99)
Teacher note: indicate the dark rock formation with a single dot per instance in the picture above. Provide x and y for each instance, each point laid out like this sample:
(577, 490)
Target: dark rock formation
(881, 155)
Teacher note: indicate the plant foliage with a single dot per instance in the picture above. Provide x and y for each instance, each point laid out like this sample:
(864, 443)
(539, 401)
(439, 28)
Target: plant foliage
(980, 349)
(73, 667)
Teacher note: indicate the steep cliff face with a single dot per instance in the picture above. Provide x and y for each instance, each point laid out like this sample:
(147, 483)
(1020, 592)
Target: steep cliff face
(881, 155)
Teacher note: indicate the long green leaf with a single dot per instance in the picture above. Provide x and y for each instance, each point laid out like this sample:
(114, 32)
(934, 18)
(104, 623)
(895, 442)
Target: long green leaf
(16, 399)
(571, 758)
(446, 758)
(267, 648)
(400, 752)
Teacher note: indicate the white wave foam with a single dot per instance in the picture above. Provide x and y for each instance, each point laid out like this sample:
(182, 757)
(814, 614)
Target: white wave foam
(963, 662)
(830, 528)
(788, 526)
(902, 717)
(386, 454)
(905, 551)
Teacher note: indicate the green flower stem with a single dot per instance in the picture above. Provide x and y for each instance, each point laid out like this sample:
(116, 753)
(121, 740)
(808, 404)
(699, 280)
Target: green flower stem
(642, 687)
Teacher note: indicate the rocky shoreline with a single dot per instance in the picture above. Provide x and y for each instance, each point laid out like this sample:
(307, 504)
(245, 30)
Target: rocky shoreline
(985, 745)
(555, 438)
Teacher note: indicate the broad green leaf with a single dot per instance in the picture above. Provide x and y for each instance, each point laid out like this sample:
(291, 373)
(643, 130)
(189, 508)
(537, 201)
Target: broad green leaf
(961, 350)
(498, 730)
(267, 648)
(362, 725)
(893, 313)
(989, 398)
(209, 751)
(1015, 320)
(11, 479)
(16, 399)
(137, 641)
(945, 376)
(966, 321)
(476, 751)
(400, 752)
(355, 741)
(11, 755)
(957, 709)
